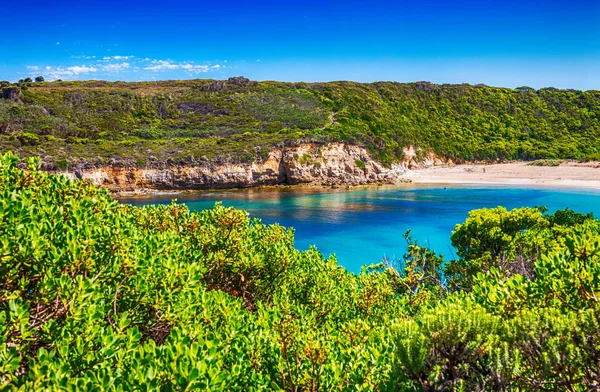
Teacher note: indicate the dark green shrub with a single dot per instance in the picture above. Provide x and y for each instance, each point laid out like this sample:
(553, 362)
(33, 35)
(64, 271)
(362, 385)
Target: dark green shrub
(77, 140)
(150, 134)
(62, 164)
(28, 139)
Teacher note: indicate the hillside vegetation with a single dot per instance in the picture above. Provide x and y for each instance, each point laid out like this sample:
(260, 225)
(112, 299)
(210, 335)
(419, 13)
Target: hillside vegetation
(197, 121)
(97, 295)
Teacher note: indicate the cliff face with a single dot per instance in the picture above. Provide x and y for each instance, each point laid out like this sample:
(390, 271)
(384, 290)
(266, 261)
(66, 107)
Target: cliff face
(307, 163)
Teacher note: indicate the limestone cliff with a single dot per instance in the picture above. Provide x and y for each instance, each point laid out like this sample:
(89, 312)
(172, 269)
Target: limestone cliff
(306, 163)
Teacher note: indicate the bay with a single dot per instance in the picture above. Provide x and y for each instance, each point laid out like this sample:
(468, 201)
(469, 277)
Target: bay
(363, 225)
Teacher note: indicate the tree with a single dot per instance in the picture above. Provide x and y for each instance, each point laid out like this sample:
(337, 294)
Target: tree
(39, 79)
(28, 80)
(494, 238)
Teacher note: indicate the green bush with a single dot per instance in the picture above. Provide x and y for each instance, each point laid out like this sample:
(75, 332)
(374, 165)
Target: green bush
(98, 295)
(63, 164)
(162, 297)
(455, 346)
(151, 134)
(305, 159)
(546, 162)
(29, 139)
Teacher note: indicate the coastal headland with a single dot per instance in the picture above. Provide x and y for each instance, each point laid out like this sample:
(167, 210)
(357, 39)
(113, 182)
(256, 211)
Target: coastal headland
(237, 133)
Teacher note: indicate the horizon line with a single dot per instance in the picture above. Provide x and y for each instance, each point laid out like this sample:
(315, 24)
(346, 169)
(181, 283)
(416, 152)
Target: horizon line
(298, 81)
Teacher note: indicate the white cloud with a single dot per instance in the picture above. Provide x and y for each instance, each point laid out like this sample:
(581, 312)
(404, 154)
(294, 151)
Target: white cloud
(168, 65)
(200, 68)
(107, 58)
(68, 72)
(115, 67)
(76, 69)
(107, 65)
(161, 65)
(58, 43)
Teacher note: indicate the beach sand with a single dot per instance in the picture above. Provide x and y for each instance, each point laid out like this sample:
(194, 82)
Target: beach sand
(567, 175)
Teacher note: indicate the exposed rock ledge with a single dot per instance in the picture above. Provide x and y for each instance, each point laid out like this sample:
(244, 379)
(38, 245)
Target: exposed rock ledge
(307, 163)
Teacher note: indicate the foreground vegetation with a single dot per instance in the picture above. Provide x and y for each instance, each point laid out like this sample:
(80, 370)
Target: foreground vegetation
(95, 295)
(198, 121)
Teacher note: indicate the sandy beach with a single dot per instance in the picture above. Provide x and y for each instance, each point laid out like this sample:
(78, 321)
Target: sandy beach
(567, 175)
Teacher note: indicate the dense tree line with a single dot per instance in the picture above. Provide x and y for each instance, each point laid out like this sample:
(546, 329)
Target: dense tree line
(97, 295)
(199, 120)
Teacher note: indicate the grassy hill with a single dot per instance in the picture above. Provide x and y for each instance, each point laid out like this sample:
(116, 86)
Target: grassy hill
(240, 120)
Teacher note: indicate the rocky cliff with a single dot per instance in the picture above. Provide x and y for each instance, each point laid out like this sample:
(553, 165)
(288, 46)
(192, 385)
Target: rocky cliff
(307, 163)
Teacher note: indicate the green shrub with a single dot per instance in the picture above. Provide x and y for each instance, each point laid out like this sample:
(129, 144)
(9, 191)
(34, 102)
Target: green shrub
(98, 295)
(546, 162)
(452, 347)
(28, 139)
(63, 164)
(77, 140)
(150, 134)
(170, 299)
(305, 159)
(128, 143)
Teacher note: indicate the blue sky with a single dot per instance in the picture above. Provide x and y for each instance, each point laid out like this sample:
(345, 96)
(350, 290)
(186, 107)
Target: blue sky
(501, 43)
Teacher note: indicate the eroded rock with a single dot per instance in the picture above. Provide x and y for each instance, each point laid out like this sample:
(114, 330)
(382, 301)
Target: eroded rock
(331, 164)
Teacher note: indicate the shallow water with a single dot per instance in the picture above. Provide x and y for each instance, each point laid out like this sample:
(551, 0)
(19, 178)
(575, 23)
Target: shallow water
(361, 226)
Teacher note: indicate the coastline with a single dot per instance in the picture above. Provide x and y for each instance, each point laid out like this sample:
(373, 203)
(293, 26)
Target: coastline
(566, 175)
(297, 188)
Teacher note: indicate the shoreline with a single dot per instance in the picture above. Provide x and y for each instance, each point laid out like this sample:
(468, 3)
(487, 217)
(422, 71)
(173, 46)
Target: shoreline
(565, 175)
(306, 188)
(569, 175)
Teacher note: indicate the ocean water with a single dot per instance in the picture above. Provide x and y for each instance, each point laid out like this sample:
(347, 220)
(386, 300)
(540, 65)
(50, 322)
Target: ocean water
(362, 226)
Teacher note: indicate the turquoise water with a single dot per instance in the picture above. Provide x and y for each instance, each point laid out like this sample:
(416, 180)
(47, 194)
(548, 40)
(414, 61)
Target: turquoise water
(361, 226)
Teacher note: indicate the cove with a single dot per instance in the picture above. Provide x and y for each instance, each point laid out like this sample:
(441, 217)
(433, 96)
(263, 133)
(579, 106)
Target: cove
(362, 226)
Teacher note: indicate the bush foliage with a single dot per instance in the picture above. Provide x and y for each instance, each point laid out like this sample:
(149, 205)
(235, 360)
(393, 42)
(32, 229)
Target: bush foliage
(97, 295)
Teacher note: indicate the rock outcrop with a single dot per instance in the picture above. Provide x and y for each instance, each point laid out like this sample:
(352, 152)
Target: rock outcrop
(306, 163)
(415, 158)
(220, 85)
